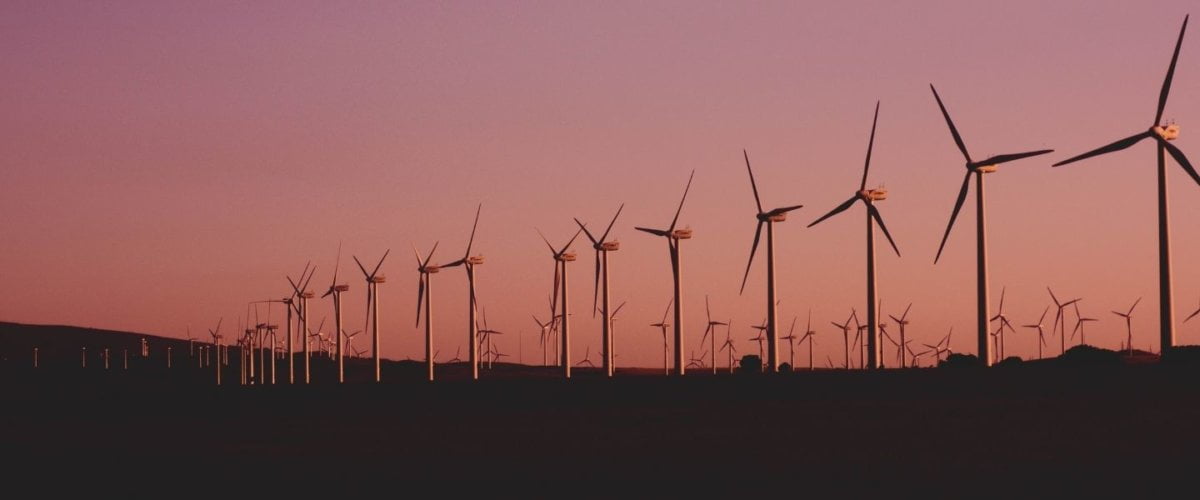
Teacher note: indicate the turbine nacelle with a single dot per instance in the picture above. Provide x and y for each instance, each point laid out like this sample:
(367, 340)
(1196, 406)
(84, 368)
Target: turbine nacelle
(770, 217)
(682, 234)
(985, 169)
(340, 288)
(378, 279)
(307, 295)
(1168, 133)
(870, 195)
(608, 246)
(567, 257)
(475, 261)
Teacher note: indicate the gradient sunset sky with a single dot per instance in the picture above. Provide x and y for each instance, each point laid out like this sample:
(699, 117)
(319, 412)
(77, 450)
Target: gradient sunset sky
(165, 163)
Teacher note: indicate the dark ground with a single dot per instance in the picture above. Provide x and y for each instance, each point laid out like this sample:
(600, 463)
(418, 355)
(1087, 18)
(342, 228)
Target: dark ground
(1030, 429)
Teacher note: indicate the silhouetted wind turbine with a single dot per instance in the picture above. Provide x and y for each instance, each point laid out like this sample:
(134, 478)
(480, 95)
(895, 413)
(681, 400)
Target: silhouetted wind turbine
(978, 168)
(612, 334)
(710, 334)
(1060, 319)
(302, 293)
(216, 336)
(336, 290)
(663, 325)
(1079, 321)
(728, 346)
(1041, 334)
(561, 258)
(845, 328)
(1128, 315)
(766, 218)
(602, 246)
(373, 280)
(468, 262)
(673, 237)
(902, 323)
(1161, 135)
(424, 269)
(791, 338)
(811, 336)
(868, 197)
(1004, 323)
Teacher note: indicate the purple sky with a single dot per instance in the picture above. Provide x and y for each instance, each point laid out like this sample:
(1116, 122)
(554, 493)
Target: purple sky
(164, 164)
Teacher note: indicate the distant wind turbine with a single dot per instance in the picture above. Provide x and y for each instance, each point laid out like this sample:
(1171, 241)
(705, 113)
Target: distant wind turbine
(1128, 315)
(561, 258)
(424, 269)
(373, 280)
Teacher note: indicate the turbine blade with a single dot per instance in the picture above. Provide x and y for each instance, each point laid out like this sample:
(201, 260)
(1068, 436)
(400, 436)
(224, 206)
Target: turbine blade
(474, 226)
(548, 245)
(753, 186)
(958, 203)
(360, 266)
(1166, 87)
(753, 250)
(681, 200)
(380, 264)
(1116, 146)
(596, 285)
(431, 251)
(784, 210)
(998, 159)
(870, 146)
(420, 298)
(572, 240)
(656, 232)
(604, 237)
(1182, 160)
(950, 123)
(875, 215)
(587, 233)
(839, 209)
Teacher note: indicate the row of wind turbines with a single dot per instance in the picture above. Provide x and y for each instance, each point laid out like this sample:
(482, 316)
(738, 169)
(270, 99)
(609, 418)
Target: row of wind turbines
(559, 322)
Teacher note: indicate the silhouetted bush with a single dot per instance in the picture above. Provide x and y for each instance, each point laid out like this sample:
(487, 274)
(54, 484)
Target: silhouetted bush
(956, 360)
(785, 368)
(750, 364)
(1088, 355)
(1011, 361)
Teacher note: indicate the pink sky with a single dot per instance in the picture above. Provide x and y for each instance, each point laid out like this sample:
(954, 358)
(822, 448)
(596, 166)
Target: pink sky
(165, 164)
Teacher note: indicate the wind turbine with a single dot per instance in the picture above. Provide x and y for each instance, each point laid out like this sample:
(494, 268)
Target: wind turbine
(811, 336)
(1060, 318)
(791, 338)
(424, 269)
(845, 328)
(302, 294)
(468, 262)
(1079, 321)
(1041, 334)
(760, 338)
(902, 323)
(767, 218)
(1161, 134)
(710, 334)
(612, 334)
(728, 346)
(587, 359)
(978, 168)
(1004, 323)
(336, 290)
(674, 236)
(602, 246)
(373, 280)
(561, 258)
(663, 325)
(868, 197)
(216, 336)
(544, 328)
(1128, 315)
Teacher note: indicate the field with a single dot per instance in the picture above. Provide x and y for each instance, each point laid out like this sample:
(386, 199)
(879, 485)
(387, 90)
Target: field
(521, 430)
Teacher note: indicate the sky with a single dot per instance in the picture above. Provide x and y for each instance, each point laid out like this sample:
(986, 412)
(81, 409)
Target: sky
(166, 163)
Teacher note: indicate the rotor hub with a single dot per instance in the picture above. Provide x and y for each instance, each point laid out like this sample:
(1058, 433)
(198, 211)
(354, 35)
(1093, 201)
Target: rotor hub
(1169, 132)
